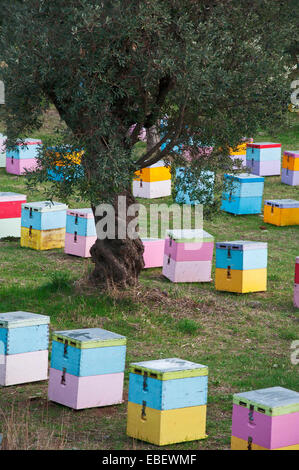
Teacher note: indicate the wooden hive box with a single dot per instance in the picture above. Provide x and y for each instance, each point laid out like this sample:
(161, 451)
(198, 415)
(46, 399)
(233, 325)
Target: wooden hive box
(24, 339)
(188, 256)
(80, 232)
(153, 254)
(10, 214)
(167, 401)
(205, 187)
(153, 181)
(241, 266)
(281, 212)
(264, 158)
(43, 225)
(243, 194)
(266, 419)
(87, 368)
(22, 157)
(290, 168)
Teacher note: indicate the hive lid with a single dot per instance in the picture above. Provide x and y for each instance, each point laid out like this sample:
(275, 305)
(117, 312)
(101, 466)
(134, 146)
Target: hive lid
(29, 142)
(189, 235)
(263, 145)
(167, 369)
(282, 203)
(21, 319)
(45, 206)
(89, 338)
(242, 245)
(272, 401)
(85, 213)
(245, 178)
(292, 153)
(6, 197)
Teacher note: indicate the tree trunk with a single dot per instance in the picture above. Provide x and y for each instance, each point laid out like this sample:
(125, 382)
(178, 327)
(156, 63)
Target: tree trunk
(152, 137)
(118, 262)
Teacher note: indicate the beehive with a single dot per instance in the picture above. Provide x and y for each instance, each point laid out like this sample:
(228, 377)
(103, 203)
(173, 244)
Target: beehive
(153, 254)
(264, 158)
(80, 232)
(290, 168)
(239, 154)
(62, 163)
(167, 401)
(281, 212)
(266, 419)
(296, 285)
(243, 194)
(10, 214)
(24, 339)
(22, 157)
(87, 368)
(153, 181)
(43, 225)
(241, 266)
(205, 188)
(188, 256)
(2, 151)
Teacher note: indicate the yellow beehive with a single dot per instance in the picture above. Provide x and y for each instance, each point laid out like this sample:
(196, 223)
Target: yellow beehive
(241, 444)
(150, 175)
(167, 426)
(290, 163)
(42, 239)
(242, 281)
(281, 212)
(240, 149)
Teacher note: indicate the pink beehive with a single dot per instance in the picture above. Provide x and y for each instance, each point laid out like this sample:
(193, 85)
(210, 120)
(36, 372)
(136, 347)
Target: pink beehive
(80, 232)
(22, 157)
(153, 252)
(188, 256)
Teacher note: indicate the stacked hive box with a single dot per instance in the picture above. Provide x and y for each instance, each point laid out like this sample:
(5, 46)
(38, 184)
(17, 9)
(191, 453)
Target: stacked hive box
(24, 341)
(65, 166)
(10, 214)
(22, 157)
(87, 368)
(80, 232)
(204, 189)
(243, 194)
(266, 419)
(2, 151)
(153, 181)
(263, 158)
(281, 212)
(153, 254)
(290, 168)
(43, 225)
(296, 286)
(239, 154)
(241, 266)
(188, 256)
(167, 401)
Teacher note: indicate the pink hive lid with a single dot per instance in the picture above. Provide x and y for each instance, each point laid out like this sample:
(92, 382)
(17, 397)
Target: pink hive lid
(85, 213)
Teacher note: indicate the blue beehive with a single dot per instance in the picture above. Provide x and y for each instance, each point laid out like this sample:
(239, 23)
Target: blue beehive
(77, 351)
(205, 188)
(44, 215)
(27, 151)
(83, 226)
(243, 195)
(241, 255)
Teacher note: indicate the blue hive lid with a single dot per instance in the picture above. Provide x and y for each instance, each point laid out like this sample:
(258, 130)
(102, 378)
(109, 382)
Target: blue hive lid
(242, 245)
(282, 203)
(245, 178)
(45, 206)
(21, 319)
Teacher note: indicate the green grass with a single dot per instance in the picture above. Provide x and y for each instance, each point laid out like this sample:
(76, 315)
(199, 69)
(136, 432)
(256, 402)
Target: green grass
(244, 339)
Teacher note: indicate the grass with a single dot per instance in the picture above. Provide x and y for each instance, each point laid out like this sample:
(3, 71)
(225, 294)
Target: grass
(244, 339)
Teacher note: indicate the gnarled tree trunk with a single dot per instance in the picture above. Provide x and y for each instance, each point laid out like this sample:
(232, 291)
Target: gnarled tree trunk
(118, 262)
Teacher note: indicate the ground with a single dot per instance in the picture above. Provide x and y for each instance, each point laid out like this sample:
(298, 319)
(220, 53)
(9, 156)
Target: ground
(244, 339)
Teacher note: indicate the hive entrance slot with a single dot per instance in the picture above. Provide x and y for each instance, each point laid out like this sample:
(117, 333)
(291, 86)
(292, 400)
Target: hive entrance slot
(261, 410)
(153, 376)
(143, 413)
(137, 371)
(243, 403)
